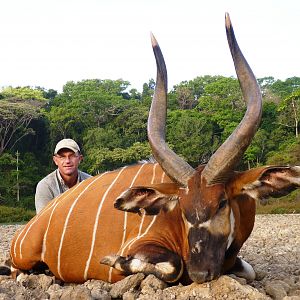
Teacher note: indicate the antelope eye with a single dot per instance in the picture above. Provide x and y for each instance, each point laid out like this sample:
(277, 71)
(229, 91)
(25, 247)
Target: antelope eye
(222, 204)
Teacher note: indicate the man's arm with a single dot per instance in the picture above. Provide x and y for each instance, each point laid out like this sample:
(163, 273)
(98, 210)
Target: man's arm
(43, 195)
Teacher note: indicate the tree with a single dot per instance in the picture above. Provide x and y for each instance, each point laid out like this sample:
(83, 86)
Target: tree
(288, 153)
(100, 109)
(7, 182)
(190, 134)
(15, 119)
(103, 159)
(23, 93)
(268, 94)
(285, 88)
(48, 94)
(84, 105)
(187, 93)
(86, 88)
(18, 107)
(131, 124)
(134, 94)
(185, 98)
(148, 91)
(222, 103)
(30, 172)
(63, 121)
(289, 110)
(256, 152)
(96, 138)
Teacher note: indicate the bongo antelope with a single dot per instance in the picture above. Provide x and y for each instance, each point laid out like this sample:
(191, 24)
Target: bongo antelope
(165, 218)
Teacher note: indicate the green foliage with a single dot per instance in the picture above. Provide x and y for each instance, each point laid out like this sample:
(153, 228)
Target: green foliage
(63, 121)
(8, 165)
(289, 111)
(84, 105)
(284, 88)
(187, 93)
(223, 106)
(23, 93)
(148, 89)
(289, 204)
(103, 159)
(256, 152)
(102, 138)
(191, 135)
(288, 153)
(224, 93)
(92, 87)
(109, 121)
(131, 125)
(20, 108)
(29, 173)
(15, 214)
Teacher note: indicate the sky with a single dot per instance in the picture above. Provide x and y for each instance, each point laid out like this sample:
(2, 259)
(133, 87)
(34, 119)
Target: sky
(50, 42)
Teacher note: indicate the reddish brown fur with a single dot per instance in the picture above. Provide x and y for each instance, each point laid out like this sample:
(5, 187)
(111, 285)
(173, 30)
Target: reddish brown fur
(168, 230)
(77, 241)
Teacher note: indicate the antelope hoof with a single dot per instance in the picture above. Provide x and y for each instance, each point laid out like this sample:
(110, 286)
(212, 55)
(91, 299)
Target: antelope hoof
(244, 270)
(109, 260)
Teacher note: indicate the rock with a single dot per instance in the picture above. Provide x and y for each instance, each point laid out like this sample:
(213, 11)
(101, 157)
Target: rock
(272, 250)
(234, 290)
(284, 284)
(70, 292)
(241, 280)
(295, 293)
(129, 282)
(99, 289)
(98, 284)
(260, 274)
(276, 290)
(16, 291)
(78, 292)
(100, 294)
(4, 297)
(223, 288)
(41, 281)
(55, 291)
(130, 295)
(4, 277)
(152, 284)
(290, 281)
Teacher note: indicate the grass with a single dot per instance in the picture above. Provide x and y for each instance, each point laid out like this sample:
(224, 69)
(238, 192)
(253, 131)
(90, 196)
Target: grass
(289, 204)
(15, 214)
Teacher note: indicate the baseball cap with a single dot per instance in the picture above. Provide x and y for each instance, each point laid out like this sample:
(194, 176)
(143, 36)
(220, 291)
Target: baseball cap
(66, 143)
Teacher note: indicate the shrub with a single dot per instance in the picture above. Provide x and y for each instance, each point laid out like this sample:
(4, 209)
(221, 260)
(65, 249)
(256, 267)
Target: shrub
(288, 204)
(15, 214)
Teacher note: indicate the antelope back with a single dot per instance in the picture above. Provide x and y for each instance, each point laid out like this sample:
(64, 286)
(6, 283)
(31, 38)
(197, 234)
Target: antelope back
(81, 226)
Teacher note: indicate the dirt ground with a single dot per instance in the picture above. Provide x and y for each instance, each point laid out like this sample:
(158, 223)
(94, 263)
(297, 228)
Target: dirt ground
(273, 249)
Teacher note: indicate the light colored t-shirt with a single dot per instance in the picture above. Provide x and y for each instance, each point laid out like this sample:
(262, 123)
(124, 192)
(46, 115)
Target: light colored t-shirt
(51, 186)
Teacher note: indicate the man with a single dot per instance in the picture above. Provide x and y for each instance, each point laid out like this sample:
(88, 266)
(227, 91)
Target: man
(67, 158)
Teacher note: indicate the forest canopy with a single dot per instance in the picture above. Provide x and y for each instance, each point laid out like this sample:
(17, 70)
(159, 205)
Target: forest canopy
(109, 121)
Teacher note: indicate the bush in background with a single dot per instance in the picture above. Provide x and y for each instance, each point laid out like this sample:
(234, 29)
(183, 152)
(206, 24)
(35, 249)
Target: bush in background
(15, 214)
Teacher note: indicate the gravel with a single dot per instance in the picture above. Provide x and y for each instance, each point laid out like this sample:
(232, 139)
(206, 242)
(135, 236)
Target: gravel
(273, 249)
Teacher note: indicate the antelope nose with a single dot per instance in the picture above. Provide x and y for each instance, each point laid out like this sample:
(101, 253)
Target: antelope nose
(199, 277)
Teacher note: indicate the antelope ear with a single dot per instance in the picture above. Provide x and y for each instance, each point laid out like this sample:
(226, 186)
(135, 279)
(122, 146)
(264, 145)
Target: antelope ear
(150, 199)
(272, 182)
